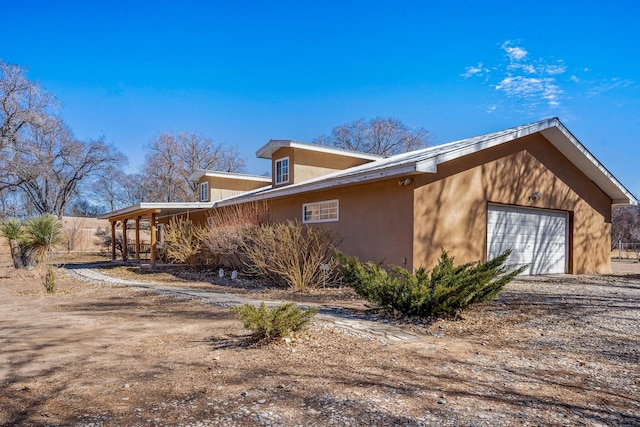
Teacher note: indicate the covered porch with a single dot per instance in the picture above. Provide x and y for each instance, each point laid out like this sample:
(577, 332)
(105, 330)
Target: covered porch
(147, 217)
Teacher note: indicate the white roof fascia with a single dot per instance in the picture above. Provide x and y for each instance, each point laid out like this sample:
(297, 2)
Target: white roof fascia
(199, 173)
(589, 165)
(157, 205)
(468, 146)
(267, 150)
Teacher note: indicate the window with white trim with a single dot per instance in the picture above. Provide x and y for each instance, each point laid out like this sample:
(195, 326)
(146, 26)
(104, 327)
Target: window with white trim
(282, 170)
(204, 191)
(325, 211)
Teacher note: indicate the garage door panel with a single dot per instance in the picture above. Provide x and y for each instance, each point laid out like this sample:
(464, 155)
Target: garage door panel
(535, 236)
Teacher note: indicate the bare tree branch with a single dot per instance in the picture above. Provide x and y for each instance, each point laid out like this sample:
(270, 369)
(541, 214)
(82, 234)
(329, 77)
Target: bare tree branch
(384, 137)
(171, 158)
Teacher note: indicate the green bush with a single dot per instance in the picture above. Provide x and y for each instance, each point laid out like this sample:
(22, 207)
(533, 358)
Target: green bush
(268, 324)
(445, 292)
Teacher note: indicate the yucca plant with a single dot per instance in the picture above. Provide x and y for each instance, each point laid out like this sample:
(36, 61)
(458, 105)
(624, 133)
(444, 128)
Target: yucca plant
(42, 233)
(13, 231)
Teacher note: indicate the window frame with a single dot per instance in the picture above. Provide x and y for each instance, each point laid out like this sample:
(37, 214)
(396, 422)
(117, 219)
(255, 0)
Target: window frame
(204, 191)
(319, 205)
(275, 171)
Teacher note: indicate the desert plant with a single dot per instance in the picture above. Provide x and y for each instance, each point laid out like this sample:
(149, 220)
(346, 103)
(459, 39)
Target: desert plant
(180, 242)
(42, 233)
(291, 254)
(227, 228)
(445, 292)
(272, 323)
(13, 231)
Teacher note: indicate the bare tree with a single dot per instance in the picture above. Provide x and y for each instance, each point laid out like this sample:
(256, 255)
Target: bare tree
(625, 225)
(384, 137)
(48, 163)
(22, 102)
(171, 158)
(116, 189)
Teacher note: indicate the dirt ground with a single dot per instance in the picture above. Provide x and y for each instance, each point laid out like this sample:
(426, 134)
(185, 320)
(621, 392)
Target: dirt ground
(548, 351)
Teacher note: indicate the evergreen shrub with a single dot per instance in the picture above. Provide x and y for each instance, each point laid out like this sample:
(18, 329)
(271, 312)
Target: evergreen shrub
(278, 322)
(446, 291)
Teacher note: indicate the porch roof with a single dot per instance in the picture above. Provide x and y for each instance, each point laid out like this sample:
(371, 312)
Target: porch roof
(160, 209)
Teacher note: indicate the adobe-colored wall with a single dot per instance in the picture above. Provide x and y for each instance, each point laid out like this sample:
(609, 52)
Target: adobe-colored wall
(305, 164)
(450, 206)
(220, 188)
(375, 219)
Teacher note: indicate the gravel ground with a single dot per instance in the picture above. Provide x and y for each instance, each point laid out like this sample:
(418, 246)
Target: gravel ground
(549, 351)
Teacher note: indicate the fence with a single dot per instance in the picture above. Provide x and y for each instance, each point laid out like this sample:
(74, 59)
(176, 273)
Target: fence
(628, 250)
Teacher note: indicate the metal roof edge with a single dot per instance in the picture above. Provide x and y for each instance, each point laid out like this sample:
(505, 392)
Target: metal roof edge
(199, 173)
(596, 169)
(270, 147)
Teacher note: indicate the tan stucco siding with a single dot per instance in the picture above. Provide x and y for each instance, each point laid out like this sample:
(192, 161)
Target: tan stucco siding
(219, 187)
(450, 206)
(305, 165)
(375, 219)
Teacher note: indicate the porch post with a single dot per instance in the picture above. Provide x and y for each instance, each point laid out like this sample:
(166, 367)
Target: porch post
(125, 250)
(138, 239)
(113, 240)
(152, 228)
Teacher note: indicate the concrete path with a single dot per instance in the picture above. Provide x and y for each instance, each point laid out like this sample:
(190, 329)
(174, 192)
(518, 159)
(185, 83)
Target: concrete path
(349, 323)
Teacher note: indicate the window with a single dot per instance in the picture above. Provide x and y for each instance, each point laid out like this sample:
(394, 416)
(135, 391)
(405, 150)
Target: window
(320, 211)
(282, 170)
(204, 191)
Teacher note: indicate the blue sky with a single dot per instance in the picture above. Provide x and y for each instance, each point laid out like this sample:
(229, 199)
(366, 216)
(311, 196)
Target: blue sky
(245, 72)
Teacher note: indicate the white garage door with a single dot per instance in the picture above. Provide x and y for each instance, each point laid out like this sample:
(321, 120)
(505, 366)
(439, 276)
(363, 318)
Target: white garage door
(536, 237)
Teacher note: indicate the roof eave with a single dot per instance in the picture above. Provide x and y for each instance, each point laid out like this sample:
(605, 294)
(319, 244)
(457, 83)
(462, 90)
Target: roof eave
(589, 165)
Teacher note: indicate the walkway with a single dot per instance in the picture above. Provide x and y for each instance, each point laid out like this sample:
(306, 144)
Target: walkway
(349, 323)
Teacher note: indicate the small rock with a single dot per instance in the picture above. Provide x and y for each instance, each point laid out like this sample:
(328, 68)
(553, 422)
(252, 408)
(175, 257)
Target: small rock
(244, 394)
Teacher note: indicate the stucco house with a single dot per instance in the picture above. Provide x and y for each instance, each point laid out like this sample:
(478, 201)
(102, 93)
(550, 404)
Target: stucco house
(533, 188)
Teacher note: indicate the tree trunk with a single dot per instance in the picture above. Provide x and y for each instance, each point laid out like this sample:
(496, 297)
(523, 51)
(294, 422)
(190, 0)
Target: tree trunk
(16, 254)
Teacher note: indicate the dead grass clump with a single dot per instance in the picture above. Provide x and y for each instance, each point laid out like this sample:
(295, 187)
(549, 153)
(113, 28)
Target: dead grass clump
(291, 254)
(226, 230)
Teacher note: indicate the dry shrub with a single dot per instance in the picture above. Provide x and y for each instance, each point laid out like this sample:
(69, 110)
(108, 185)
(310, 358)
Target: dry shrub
(180, 243)
(226, 230)
(291, 254)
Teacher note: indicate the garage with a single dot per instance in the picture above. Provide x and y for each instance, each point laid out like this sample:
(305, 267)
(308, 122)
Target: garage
(536, 237)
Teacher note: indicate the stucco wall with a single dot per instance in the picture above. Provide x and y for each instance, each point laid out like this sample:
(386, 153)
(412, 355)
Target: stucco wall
(375, 219)
(450, 207)
(305, 164)
(220, 188)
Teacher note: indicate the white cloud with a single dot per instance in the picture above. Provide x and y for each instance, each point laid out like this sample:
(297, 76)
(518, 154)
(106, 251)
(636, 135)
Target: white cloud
(535, 84)
(474, 71)
(515, 53)
(610, 84)
(555, 69)
(532, 82)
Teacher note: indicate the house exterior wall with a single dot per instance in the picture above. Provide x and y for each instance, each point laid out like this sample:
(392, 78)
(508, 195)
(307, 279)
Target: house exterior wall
(375, 219)
(220, 188)
(306, 164)
(450, 207)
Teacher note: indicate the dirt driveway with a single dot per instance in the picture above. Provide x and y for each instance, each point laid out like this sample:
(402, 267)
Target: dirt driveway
(551, 351)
